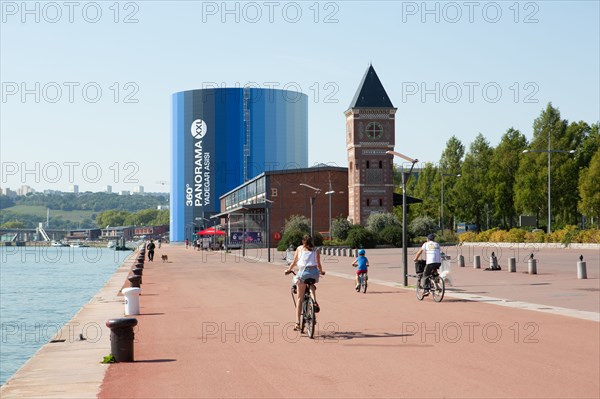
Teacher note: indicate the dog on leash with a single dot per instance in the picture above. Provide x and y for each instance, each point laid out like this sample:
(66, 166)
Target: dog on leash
(164, 258)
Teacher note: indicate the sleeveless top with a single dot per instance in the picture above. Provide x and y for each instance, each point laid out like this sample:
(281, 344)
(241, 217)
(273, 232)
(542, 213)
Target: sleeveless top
(306, 259)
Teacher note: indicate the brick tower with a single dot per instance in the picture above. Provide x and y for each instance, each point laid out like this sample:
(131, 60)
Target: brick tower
(370, 132)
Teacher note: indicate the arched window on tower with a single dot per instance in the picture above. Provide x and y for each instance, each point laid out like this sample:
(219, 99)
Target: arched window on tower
(380, 164)
(368, 164)
(380, 202)
(350, 166)
(368, 202)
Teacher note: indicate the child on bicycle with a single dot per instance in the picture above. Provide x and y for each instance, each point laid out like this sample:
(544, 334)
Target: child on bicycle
(362, 264)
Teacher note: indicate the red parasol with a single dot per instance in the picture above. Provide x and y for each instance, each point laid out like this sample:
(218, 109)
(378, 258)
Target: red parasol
(210, 232)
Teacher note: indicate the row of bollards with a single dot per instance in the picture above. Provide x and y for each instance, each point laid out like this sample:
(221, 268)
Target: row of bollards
(512, 265)
(121, 329)
(338, 251)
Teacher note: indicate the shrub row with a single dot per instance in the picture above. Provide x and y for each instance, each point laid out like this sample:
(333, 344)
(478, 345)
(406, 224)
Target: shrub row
(567, 235)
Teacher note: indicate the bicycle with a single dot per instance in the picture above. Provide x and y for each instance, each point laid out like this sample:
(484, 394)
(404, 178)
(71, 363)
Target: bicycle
(308, 318)
(434, 281)
(362, 282)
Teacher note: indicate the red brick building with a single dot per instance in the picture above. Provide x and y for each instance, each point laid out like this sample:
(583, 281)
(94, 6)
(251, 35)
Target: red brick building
(285, 193)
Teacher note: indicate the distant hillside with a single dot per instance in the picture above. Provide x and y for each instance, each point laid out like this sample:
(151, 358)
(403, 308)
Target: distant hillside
(71, 210)
(96, 202)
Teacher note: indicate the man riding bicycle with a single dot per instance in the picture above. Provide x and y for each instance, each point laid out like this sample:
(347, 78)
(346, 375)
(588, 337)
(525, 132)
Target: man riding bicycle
(434, 258)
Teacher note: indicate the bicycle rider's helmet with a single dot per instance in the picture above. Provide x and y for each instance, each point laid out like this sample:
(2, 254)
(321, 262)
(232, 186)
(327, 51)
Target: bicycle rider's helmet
(361, 251)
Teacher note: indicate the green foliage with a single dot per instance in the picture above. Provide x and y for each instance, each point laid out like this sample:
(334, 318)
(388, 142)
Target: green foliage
(6, 201)
(290, 237)
(360, 237)
(294, 238)
(111, 218)
(17, 224)
(378, 221)
(469, 236)
(340, 228)
(503, 174)
(297, 223)
(392, 235)
(473, 194)
(96, 202)
(422, 226)
(108, 359)
(589, 183)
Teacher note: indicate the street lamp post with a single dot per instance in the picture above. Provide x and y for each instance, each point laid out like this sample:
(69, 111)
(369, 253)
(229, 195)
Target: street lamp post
(268, 228)
(330, 193)
(405, 177)
(312, 203)
(549, 151)
(445, 174)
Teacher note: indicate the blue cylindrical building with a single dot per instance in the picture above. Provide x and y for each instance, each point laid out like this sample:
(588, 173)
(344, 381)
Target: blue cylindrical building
(222, 137)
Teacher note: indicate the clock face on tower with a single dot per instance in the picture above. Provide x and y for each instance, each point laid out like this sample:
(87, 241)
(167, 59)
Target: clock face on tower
(374, 130)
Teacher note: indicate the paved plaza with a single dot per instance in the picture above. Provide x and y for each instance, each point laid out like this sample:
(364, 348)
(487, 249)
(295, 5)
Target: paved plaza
(220, 325)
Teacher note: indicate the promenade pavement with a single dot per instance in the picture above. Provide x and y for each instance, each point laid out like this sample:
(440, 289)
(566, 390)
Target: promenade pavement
(216, 325)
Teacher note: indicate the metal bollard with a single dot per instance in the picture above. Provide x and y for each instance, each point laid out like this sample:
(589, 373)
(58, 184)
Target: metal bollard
(512, 265)
(351, 252)
(343, 251)
(121, 338)
(137, 271)
(581, 270)
(461, 261)
(135, 281)
(138, 265)
(532, 263)
(477, 262)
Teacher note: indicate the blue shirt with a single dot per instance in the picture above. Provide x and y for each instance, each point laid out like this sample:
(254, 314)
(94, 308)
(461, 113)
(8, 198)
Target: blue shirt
(362, 262)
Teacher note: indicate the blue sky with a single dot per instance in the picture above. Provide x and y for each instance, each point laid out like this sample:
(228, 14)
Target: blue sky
(97, 109)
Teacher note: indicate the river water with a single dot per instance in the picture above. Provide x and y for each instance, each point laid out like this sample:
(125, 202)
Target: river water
(41, 289)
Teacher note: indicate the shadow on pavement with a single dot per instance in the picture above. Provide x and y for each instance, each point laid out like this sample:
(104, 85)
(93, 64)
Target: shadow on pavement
(339, 335)
(156, 361)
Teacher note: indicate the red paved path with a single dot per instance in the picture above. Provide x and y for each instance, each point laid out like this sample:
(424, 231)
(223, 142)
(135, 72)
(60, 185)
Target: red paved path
(224, 329)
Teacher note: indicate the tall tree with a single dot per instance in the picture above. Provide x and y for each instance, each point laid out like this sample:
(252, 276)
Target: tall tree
(589, 183)
(531, 191)
(503, 173)
(424, 190)
(450, 165)
(473, 188)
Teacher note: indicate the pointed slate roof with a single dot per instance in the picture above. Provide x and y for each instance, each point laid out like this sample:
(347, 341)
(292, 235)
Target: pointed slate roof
(370, 93)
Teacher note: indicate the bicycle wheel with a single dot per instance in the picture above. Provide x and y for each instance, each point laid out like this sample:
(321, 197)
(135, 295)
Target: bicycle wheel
(309, 317)
(420, 290)
(303, 316)
(438, 288)
(364, 283)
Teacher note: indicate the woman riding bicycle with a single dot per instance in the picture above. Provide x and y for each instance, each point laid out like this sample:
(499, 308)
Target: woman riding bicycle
(308, 260)
(434, 257)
